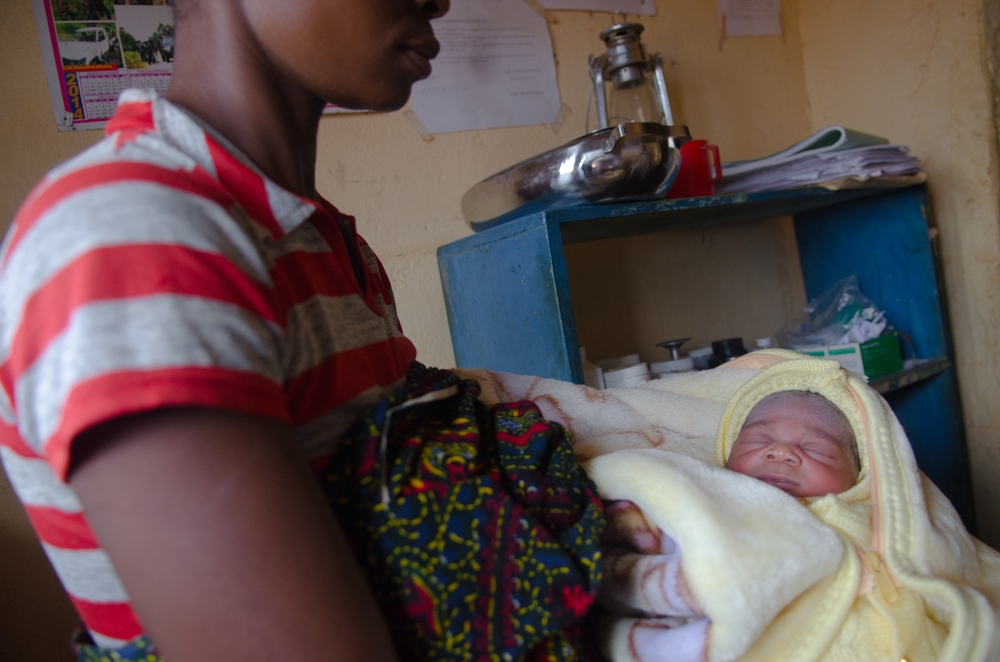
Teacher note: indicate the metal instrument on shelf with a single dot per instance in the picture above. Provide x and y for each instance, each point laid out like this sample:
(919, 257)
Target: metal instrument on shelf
(631, 161)
(636, 157)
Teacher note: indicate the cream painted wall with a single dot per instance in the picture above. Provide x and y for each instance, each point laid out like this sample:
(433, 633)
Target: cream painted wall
(700, 283)
(751, 98)
(36, 617)
(404, 191)
(916, 72)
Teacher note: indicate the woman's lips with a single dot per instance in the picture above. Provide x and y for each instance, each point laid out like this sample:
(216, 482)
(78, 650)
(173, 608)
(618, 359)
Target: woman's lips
(420, 64)
(420, 54)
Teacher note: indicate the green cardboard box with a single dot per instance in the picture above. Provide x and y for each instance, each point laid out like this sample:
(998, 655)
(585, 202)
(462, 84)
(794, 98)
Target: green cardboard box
(876, 357)
(882, 355)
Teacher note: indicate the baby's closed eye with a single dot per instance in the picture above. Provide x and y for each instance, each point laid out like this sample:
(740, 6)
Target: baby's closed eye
(754, 441)
(823, 449)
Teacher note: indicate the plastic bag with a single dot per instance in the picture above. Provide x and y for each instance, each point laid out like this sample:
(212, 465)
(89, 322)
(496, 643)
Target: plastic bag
(840, 315)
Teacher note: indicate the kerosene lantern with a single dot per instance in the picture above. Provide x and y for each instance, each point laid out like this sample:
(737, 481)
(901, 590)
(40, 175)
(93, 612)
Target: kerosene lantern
(638, 88)
(633, 155)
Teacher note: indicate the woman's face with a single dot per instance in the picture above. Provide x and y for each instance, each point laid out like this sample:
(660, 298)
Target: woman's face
(354, 53)
(797, 442)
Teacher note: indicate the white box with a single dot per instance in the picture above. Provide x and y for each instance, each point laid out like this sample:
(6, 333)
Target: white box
(848, 355)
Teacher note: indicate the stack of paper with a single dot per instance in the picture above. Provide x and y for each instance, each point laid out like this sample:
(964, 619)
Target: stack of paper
(834, 154)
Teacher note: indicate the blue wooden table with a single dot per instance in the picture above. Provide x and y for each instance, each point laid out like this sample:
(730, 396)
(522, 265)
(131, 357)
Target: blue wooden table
(508, 296)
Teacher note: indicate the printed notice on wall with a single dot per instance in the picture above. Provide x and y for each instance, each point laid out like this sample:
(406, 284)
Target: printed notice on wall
(495, 69)
(645, 7)
(94, 49)
(749, 18)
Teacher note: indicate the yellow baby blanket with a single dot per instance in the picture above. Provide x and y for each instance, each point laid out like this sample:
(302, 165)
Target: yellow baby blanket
(883, 571)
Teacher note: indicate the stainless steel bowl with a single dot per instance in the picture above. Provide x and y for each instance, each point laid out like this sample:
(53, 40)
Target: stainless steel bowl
(632, 161)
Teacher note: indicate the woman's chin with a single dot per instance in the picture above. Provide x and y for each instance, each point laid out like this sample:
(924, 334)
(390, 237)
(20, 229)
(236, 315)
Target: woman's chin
(383, 100)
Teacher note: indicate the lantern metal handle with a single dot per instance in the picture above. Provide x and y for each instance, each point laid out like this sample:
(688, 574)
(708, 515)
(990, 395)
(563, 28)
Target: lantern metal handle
(661, 89)
(597, 65)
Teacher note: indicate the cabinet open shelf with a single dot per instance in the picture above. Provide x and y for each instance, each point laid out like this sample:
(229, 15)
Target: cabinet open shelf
(912, 374)
(510, 307)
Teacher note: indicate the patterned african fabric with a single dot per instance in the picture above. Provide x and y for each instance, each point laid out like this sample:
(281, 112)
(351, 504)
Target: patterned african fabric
(140, 649)
(475, 527)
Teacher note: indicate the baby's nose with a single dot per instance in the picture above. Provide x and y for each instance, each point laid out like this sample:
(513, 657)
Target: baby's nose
(781, 452)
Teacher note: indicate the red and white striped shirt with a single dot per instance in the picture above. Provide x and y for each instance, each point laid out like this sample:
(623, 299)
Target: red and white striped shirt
(159, 268)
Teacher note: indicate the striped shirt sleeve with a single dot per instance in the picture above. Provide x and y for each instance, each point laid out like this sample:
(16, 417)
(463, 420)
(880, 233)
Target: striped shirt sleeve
(128, 287)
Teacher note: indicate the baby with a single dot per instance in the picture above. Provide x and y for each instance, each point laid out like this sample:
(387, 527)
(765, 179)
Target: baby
(798, 442)
(703, 565)
(795, 440)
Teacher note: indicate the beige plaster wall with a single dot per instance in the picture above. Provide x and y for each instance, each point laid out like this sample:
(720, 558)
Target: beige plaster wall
(36, 617)
(749, 98)
(699, 283)
(916, 72)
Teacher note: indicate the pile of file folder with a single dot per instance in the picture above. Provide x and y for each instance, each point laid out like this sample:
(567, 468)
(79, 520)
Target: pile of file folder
(833, 157)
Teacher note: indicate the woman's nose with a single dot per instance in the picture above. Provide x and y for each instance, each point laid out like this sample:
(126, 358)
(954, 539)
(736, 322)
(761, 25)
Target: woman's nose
(782, 452)
(434, 8)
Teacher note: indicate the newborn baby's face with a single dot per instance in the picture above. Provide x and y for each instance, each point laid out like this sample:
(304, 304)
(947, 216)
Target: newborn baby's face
(798, 443)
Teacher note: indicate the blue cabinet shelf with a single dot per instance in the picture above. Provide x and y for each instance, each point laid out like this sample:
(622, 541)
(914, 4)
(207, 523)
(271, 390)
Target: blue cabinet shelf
(509, 304)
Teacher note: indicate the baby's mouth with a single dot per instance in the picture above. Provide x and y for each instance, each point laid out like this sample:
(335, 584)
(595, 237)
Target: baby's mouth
(780, 482)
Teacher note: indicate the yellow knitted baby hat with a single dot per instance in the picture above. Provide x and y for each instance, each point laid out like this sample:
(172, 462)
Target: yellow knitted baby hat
(797, 373)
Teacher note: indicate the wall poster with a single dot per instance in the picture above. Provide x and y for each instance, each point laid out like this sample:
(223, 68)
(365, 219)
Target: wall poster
(94, 49)
(496, 69)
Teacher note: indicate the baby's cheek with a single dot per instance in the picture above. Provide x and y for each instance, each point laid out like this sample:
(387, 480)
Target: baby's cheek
(740, 462)
(848, 478)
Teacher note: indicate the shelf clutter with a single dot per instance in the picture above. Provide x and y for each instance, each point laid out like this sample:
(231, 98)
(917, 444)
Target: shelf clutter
(629, 371)
(510, 299)
(834, 157)
(842, 325)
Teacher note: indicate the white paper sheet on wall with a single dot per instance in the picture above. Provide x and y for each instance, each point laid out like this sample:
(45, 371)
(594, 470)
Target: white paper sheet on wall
(645, 7)
(749, 18)
(495, 69)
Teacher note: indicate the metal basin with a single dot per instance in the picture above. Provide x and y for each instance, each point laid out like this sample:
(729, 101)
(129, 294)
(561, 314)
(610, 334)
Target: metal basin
(633, 161)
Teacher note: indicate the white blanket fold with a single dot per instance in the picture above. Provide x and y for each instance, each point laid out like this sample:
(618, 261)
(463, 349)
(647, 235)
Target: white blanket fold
(746, 549)
(715, 566)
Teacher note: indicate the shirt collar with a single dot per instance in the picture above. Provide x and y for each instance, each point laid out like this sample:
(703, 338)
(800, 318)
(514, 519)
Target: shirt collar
(144, 111)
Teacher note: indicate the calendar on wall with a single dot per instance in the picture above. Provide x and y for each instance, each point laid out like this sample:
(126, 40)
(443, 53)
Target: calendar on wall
(94, 49)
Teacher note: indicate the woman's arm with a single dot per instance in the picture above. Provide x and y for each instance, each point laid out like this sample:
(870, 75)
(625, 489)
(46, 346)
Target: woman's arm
(223, 539)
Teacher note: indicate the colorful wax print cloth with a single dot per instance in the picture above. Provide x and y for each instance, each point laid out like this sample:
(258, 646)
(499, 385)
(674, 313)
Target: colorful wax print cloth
(140, 649)
(475, 526)
(900, 578)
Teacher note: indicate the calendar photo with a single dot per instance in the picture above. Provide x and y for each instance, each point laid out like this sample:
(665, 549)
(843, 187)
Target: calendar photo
(147, 36)
(95, 49)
